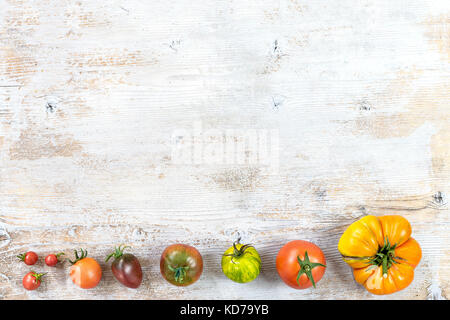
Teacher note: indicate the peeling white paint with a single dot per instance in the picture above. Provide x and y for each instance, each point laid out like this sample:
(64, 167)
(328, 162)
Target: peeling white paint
(434, 291)
(5, 238)
(358, 94)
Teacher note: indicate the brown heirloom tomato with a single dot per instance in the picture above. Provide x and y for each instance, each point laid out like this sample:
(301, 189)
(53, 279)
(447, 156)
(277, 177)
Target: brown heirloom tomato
(181, 265)
(85, 272)
(126, 268)
(300, 264)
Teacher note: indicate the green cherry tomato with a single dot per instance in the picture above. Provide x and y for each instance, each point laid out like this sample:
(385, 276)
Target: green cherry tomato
(241, 263)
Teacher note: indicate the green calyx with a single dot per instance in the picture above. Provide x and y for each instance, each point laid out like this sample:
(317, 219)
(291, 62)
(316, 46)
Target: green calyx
(385, 256)
(238, 252)
(78, 257)
(118, 252)
(21, 256)
(37, 276)
(180, 273)
(59, 255)
(306, 267)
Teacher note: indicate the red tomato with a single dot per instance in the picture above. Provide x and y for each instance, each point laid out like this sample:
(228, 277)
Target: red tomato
(300, 264)
(85, 272)
(32, 280)
(29, 257)
(52, 259)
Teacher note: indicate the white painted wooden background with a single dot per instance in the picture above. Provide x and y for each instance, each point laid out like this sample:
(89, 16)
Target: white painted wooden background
(92, 91)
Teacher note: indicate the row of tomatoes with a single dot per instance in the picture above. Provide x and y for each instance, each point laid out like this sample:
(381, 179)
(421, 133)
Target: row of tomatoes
(380, 251)
(182, 265)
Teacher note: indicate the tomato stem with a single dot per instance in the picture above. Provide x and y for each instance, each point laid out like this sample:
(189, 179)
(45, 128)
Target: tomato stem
(385, 257)
(306, 267)
(238, 252)
(118, 252)
(38, 276)
(21, 256)
(79, 257)
(58, 255)
(180, 273)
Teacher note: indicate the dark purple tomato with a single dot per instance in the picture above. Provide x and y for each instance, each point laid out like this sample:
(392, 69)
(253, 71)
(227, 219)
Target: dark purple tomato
(126, 268)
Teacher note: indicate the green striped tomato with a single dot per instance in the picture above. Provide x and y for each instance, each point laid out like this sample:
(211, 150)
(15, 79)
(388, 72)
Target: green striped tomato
(241, 263)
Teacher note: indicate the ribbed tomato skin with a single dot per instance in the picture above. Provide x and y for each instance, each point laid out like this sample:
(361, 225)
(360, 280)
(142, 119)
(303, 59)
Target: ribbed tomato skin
(366, 238)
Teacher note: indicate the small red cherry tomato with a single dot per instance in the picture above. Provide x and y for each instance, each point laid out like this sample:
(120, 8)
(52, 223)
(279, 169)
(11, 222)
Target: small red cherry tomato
(32, 280)
(52, 259)
(29, 257)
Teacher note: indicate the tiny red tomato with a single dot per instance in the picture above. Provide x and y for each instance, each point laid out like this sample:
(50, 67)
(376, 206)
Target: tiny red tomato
(32, 280)
(29, 257)
(52, 259)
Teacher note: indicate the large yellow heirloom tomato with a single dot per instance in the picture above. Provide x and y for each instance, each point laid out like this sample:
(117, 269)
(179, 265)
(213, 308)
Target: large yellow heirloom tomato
(381, 252)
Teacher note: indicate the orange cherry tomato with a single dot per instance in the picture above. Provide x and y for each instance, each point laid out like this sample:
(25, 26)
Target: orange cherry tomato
(300, 264)
(85, 272)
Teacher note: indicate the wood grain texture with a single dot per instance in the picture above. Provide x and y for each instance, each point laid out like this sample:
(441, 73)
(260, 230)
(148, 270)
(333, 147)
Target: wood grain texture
(92, 91)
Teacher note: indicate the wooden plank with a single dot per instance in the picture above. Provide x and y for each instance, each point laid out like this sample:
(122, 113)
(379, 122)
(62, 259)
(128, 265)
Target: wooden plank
(353, 100)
